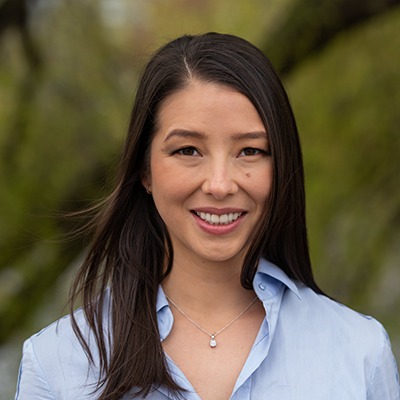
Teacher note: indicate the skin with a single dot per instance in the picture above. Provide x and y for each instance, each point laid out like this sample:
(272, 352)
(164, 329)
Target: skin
(210, 153)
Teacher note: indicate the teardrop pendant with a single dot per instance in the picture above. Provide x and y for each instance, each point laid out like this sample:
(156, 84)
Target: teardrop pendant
(213, 342)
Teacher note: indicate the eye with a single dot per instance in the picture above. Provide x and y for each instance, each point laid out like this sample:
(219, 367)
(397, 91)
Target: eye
(249, 151)
(188, 151)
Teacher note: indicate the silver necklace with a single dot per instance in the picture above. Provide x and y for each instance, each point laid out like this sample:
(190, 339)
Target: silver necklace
(213, 342)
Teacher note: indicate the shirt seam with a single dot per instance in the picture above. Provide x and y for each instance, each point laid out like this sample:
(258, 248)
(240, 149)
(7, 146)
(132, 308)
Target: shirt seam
(377, 356)
(19, 381)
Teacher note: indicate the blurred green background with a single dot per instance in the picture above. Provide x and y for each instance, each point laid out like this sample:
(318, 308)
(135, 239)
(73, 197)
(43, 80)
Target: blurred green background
(68, 73)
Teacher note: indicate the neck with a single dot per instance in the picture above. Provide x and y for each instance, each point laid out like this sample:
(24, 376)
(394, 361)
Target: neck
(203, 287)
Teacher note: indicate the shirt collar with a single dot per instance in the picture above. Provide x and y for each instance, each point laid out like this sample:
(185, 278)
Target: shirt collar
(268, 280)
(161, 299)
(164, 314)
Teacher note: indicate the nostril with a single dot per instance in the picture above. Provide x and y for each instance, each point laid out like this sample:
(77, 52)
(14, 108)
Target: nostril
(219, 186)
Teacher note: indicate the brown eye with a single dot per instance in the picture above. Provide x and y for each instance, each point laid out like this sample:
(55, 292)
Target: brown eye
(249, 152)
(188, 151)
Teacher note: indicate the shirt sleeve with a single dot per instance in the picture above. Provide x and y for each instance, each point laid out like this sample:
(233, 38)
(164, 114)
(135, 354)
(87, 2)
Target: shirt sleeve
(32, 383)
(384, 383)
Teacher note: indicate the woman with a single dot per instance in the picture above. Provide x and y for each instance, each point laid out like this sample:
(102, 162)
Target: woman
(198, 281)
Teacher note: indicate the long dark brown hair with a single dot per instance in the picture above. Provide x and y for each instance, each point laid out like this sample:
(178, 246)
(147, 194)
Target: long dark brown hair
(131, 244)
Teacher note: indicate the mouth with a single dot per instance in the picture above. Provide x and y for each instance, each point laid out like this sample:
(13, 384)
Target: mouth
(214, 219)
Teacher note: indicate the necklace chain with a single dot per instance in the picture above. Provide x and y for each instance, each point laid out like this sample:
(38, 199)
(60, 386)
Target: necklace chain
(213, 342)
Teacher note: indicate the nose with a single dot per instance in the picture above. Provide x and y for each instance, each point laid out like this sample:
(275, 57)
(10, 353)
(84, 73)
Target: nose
(220, 179)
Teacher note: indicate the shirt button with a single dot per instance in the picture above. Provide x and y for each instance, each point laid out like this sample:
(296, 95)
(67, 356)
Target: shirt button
(262, 286)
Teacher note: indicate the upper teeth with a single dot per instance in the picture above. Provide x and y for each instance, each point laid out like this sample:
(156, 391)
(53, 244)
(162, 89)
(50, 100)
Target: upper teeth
(215, 219)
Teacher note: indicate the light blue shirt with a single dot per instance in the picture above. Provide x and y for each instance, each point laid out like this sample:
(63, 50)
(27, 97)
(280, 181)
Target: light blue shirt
(308, 348)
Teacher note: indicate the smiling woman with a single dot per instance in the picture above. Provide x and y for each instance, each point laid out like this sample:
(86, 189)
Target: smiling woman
(198, 282)
(209, 138)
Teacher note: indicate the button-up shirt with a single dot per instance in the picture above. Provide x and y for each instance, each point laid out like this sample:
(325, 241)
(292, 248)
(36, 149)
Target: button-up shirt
(309, 347)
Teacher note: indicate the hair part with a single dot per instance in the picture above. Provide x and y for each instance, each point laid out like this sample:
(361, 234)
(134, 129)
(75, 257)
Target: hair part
(131, 244)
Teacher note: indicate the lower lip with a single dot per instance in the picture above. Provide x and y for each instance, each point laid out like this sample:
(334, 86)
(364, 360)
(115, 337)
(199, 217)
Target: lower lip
(218, 229)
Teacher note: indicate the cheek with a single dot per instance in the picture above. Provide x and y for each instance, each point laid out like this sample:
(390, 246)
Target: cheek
(260, 184)
(170, 180)
(261, 197)
(168, 187)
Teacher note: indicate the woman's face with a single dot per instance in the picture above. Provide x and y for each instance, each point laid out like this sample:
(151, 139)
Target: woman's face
(211, 171)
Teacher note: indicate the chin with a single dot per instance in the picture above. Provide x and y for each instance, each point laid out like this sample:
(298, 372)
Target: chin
(219, 255)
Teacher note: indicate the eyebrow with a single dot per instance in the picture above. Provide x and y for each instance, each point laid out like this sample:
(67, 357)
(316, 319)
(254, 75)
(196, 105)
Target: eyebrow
(250, 135)
(184, 134)
(198, 135)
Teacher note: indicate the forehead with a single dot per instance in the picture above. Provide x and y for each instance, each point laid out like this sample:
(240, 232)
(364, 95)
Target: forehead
(208, 107)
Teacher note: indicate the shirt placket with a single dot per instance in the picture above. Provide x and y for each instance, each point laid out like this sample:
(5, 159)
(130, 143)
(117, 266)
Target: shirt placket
(260, 349)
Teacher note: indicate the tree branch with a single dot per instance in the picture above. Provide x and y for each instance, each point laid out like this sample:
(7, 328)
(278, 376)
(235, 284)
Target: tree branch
(311, 24)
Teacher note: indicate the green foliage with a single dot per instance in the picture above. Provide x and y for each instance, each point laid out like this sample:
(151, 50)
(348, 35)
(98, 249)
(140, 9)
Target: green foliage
(346, 101)
(61, 127)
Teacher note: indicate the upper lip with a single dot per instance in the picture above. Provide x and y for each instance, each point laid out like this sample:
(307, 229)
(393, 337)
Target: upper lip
(219, 211)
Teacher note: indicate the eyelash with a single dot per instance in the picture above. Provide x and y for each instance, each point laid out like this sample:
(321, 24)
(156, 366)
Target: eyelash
(180, 151)
(259, 151)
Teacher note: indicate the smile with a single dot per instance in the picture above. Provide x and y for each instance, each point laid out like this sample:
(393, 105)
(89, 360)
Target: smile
(214, 219)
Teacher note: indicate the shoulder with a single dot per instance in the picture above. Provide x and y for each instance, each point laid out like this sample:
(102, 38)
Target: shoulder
(57, 344)
(328, 318)
(336, 316)
(350, 340)
(55, 365)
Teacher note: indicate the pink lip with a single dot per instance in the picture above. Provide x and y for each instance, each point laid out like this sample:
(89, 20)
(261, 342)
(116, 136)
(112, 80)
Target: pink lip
(219, 211)
(218, 229)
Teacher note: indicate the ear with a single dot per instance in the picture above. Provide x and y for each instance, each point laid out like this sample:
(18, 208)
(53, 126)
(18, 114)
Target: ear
(146, 182)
